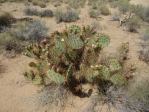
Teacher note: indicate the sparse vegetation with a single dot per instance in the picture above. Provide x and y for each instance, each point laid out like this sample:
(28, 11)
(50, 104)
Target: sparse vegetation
(123, 5)
(69, 16)
(94, 13)
(31, 11)
(133, 24)
(90, 51)
(35, 12)
(34, 31)
(41, 3)
(104, 10)
(76, 3)
(144, 54)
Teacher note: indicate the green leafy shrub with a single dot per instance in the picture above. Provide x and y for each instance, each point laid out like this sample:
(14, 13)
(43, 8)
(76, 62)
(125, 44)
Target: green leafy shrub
(68, 16)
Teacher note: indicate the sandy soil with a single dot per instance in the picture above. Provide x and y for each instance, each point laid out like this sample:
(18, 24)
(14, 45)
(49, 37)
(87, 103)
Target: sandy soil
(18, 95)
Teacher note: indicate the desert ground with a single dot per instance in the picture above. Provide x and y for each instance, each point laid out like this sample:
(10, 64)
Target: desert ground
(19, 95)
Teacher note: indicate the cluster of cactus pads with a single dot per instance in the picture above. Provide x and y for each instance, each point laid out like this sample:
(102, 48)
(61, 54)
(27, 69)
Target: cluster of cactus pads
(71, 57)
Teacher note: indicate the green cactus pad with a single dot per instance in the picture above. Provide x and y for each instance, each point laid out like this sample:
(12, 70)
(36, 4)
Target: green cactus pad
(55, 77)
(114, 65)
(91, 74)
(104, 73)
(74, 29)
(74, 41)
(37, 80)
(103, 41)
(118, 79)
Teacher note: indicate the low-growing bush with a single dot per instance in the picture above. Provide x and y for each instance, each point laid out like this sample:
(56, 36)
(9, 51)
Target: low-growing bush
(94, 13)
(146, 14)
(35, 12)
(144, 54)
(10, 43)
(104, 10)
(76, 3)
(123, 5)
(133, 23)
(145, 36)
(138, 97)
(5, 20)
(67, 16)
(115, 17)
(46, 13)
(41, 3)
(31, 11)
(13, 45)
(33, 31)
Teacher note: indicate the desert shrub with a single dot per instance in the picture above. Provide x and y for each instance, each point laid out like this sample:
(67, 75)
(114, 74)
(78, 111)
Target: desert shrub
(5, 20)
(57, 3)
(4, 38)
(40, 3)
(31, 11)
(10, 43)
(46, 13)
(145, 35)
(138, 97)
(144, 54)
(94, 13)
(32, 31)
(123, 5)
(13, 45)
(104, 10)
(35, 12)
(133, 24)
(68, 16)
(2, 1)
(76, 3)
(146, 14)
(115, 17)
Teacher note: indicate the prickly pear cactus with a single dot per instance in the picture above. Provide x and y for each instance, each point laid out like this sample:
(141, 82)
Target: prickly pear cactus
(103, 41)
(118, 79)
(91, 74)
(104, 73)
(114, 65)
(74, 41)
(38, 80)
(55, 77)
(72, 56)
(74, 29)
